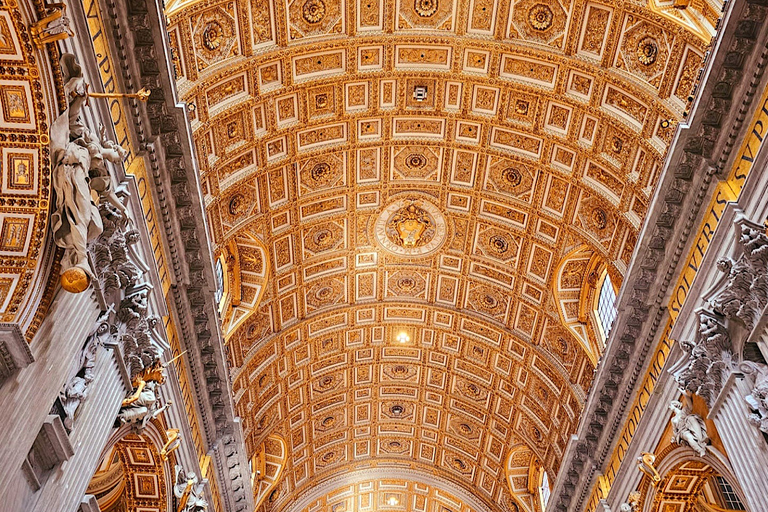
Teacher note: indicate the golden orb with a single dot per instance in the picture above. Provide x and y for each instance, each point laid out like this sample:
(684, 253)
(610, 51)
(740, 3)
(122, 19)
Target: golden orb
(75, 280)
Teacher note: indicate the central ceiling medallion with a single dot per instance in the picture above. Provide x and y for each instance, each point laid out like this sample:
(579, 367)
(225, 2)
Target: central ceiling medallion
(425, 8)
(540, 17)
(600, 218)
(512, 176)
(212, 35)
(313, 11)
(647, 50)
(410, 227)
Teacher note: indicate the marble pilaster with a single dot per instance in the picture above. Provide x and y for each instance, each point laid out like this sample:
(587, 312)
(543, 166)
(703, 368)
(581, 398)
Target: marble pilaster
(27, 396)
(747, 450)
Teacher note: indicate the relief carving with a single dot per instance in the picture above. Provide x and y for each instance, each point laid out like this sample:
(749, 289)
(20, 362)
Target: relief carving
(135, 331)
(709, 359)
(53, 27)
(632, 504)
(144, 404)
(76, 390)
(114, 265)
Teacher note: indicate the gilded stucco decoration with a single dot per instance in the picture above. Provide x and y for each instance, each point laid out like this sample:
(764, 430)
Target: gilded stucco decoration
(434, 185)
(520, 467)
(267, 465)
(27, 106)
(692, 483)
(131, 474)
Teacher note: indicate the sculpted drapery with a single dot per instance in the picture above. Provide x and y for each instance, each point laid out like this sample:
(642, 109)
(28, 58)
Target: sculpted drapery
(79, 180)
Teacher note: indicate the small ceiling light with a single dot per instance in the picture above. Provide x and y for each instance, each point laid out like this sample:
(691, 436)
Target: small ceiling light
(666, 123)
(393, 501)
(403, 337)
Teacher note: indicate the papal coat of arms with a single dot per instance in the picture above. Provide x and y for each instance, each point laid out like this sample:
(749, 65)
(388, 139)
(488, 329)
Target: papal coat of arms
(411, 227)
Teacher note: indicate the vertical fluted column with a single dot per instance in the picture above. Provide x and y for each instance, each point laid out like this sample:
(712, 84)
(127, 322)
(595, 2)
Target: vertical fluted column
(744, 443)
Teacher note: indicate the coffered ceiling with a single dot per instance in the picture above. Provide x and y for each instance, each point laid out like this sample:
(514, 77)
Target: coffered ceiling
(413, 202)
(27, 107)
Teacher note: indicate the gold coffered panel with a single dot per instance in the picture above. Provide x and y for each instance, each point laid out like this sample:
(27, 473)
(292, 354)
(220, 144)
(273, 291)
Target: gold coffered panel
(424, 181)
(25, 165)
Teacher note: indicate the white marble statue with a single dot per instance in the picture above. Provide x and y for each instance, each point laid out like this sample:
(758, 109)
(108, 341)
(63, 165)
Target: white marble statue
(76, 389)
(188, 492)
(78, 156)
(632, 504)
(688, 428)
(758, 398)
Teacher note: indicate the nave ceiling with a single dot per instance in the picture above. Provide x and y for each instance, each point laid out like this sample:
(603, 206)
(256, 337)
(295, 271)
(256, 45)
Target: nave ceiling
(458, 172)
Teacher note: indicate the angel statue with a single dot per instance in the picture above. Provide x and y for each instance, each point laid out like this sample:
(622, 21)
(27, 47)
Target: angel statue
(688, 428)
(143, 405)
(78, 169)
(758, 398)
(188, 492)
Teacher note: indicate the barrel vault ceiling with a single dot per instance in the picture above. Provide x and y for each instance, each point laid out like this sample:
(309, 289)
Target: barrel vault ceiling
(411, 201)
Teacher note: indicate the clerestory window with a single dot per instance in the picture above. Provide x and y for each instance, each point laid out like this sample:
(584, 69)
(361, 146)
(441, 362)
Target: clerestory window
(731, 500)
(219, 281)
(544, 491)
(606, 307)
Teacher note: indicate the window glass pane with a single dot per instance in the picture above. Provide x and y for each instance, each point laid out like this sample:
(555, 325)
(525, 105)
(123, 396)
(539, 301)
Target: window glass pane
(730, 498)
(606, 306)
(219, 281)
(544, 490)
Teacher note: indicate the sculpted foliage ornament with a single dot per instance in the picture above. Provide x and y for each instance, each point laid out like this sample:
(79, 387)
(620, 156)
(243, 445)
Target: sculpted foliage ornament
(647, 50)
(688, 428)
(708, 360)
(212, 35)
(746, 290)
(313, 11)
(329, 71)
(425, 8)
(540, 17)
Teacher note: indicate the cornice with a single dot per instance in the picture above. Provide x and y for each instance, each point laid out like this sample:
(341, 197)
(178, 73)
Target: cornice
(163, 137)
(699, 151)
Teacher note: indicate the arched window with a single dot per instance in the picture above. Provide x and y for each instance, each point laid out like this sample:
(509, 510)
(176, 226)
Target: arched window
(606, 306)
(544, 491)
(219, 281)
(730, 499)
